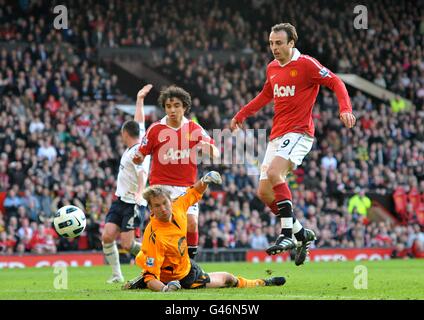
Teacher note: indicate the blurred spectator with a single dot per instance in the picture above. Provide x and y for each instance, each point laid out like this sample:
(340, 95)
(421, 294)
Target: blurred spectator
(242, 241)
(42, 242)
(214, 240)
(397, 104)
(258, 240)
(359, 203)
(11, 203)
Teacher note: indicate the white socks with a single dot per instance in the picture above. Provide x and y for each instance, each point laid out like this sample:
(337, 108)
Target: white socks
(111, 253)
(297, 226)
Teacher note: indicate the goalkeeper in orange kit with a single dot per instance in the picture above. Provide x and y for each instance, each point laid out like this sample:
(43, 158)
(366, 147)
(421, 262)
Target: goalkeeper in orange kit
(164, 256)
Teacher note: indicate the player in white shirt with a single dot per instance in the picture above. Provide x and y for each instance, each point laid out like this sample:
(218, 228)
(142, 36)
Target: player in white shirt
(127, 211)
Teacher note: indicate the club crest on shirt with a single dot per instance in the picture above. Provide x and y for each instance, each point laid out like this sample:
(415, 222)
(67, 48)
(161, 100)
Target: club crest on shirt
(293, 73)
(182, 245)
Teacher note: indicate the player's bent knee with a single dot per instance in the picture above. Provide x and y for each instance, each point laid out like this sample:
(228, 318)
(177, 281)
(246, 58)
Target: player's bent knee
(265, 196)
(275, 177)
(107, 238)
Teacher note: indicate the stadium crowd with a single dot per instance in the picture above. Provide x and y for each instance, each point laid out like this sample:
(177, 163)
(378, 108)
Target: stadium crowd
(59, 128)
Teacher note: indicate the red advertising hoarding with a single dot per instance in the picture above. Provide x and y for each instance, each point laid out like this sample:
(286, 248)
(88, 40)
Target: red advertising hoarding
(53, 260)
(326, 255)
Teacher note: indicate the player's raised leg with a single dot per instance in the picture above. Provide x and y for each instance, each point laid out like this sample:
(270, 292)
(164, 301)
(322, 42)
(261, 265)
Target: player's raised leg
(266, 194)
(303, 236)
(277, 172)
(110, 250)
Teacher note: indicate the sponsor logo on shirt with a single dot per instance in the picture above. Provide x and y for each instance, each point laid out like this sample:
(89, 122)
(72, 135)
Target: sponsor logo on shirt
(150, 262)
(172, 154)
(284, 91)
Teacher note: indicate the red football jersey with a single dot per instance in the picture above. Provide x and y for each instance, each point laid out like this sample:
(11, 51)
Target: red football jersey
(174, 152)
(294, 88)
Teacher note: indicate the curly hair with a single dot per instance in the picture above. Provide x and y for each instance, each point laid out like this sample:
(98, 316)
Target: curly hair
(175, 92)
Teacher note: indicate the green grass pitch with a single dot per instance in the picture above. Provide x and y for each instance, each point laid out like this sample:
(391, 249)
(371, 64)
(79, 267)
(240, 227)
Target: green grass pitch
(393, 279)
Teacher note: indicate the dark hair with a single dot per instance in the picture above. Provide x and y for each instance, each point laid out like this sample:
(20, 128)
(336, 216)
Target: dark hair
(132, 128)
(288, 28)
(175, 92)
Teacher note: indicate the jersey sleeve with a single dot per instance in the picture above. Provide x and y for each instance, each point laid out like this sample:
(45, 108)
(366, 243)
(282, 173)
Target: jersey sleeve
(260, 101)
(320, 75)
(147, 142)
(151, 257)
(187, 200)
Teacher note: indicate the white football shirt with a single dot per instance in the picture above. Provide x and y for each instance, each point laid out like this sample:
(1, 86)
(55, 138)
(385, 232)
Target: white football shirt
(128, 172)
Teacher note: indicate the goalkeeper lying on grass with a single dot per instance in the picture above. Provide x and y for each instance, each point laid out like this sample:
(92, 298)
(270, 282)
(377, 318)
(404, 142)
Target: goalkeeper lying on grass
(164, 257)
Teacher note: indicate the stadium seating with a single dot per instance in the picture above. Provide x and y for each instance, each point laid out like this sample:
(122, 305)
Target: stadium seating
(59, 140)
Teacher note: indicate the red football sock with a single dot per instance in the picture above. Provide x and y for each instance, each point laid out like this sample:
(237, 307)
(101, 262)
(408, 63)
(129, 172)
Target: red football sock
(192, 239)
(273, 207)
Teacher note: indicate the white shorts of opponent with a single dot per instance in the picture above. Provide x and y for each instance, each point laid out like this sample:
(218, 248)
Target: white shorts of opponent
(177, 191)
(291, 146)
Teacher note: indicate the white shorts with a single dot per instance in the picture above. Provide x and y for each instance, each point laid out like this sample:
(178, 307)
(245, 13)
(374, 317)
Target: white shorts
(291, 146)
(177, 191)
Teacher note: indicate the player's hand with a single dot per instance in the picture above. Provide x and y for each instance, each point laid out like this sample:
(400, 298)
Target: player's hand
(138, 198)
(348, 119)
(235, 124)
(144, 91)
(212, 177)
(172, 286)
(138, 158)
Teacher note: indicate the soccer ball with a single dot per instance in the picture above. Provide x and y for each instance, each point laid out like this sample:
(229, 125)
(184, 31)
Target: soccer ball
(69, 221)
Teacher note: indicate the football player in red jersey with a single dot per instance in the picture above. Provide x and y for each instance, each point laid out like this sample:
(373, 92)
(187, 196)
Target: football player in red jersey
(173, 143)
(292, 82)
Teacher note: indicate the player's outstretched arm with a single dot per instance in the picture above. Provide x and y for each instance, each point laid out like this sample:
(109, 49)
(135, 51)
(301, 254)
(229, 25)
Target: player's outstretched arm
(260, 101)
(320, 75)
(139, 106)
(210, 177)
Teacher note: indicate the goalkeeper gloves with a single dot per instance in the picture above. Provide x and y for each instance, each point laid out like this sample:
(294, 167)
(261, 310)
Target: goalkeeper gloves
(212, 177)
(172, 286)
